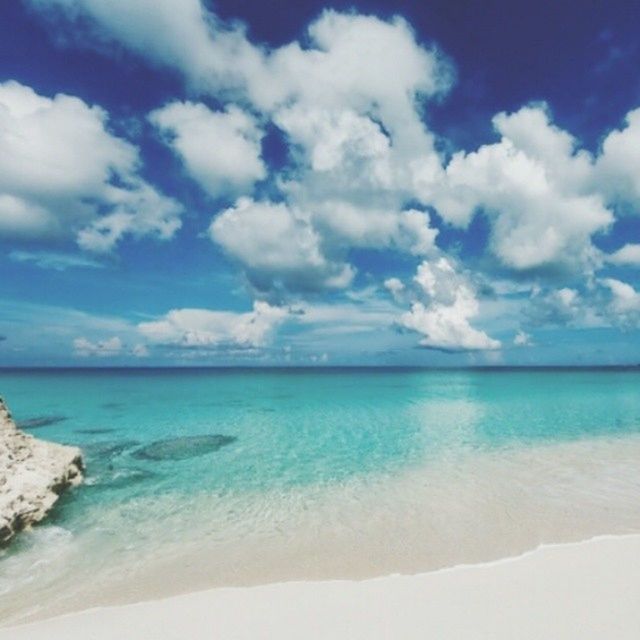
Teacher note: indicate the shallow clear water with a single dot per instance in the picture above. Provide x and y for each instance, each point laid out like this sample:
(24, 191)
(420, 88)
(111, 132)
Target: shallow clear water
(294, 442)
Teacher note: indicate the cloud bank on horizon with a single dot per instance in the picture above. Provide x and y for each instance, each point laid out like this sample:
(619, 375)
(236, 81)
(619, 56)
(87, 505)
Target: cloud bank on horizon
(344, 242)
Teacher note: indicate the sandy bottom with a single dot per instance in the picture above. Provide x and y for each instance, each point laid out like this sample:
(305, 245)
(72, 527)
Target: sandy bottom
(484, 508)
(582, 591)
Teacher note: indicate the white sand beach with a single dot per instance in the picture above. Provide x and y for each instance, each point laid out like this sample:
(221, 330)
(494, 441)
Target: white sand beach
(588, 590)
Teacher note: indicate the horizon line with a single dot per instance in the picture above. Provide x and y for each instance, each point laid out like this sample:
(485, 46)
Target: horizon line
(316, 367)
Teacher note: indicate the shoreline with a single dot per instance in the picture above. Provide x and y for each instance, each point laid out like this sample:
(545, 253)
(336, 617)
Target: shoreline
(566, 502)
(586, 589)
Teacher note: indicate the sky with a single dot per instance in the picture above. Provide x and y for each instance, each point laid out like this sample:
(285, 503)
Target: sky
(188, 183)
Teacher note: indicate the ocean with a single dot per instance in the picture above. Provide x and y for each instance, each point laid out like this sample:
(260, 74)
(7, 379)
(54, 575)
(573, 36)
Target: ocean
(208, 477)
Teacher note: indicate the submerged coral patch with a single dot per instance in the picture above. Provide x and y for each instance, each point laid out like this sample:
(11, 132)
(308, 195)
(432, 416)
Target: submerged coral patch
(185, 447)
(122, 478)
(96, 431)
(109, 449)
(113, 405)
(39, 421)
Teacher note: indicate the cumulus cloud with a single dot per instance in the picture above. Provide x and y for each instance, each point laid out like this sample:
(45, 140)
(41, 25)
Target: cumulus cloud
(629, 255)
(545, 198)
(347, 101)
(442, 315)
(355, 136)
(395, 287)
(604, 302)
(522, 339)
(283, 247)
(344, 224)
(46, 333)
(342, 196)
(556, 307)
(220, 149)
(63, 175)
(206, 329)
(102, 348)
(217, 56)
(356, 156)
(358, 140)
(624, 304)
(354, 60)
(363, 171)
(139, 211)
(178, 34)
(23, 220)
(535, 188)
(618, 166)
(278, 247)
(140, 351)
(332, 139)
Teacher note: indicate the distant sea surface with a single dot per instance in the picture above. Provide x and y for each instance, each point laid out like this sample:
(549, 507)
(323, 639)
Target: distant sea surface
(208, 477)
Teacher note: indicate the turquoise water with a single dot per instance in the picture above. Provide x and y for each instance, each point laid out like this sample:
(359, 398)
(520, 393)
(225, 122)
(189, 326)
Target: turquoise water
(304, 426)
(284, 433)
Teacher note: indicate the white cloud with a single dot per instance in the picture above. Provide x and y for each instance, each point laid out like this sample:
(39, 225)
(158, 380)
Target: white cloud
(139, 211)
(341, 193)
(102, 348)
(347, 100)
(220, 149)
(357, 62)
(206, 329)
(522, 339)
(343, 224)
(446, 327)
(544, 197)
(286, 247)
(179, 34)
(339, 139)
(332, 139)
(57, 173)
(443, 319)
(624, 305)
(560, 306)
(277, 246)
(535, 189)
(140, 351)
(352, 59)
(618, 167)
(57, 145)
(42, 334)
(55, 261)
(395, 287)
(414, 233)
(604, 302)
(355, 134)
(359, 142)
(24, 220)
(627, 255)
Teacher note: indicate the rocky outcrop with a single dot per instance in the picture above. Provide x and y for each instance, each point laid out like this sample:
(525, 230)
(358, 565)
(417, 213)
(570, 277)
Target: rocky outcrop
(33, 474)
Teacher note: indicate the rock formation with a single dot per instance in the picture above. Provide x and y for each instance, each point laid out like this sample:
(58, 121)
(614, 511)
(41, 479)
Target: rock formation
(33, 474)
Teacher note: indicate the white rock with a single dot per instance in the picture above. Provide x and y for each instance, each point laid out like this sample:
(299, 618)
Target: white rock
(33, 474)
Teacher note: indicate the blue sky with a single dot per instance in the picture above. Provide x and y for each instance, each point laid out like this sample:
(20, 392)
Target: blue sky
(437, 183)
